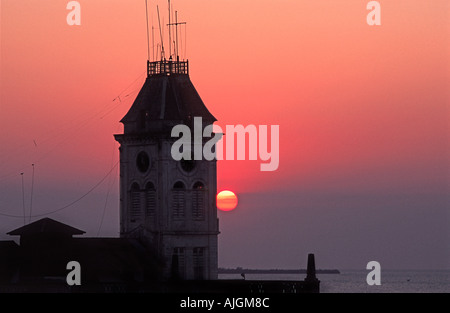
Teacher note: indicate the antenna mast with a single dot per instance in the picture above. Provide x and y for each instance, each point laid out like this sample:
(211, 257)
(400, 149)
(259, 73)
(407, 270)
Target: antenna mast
(32, 188)
(153, 41)
(23, 199)
(176, 34)
(160, 34)
(148, 39)
(170, 37)
(169, 66)
(176, 28)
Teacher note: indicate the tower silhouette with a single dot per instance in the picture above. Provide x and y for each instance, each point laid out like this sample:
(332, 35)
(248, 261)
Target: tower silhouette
(170, 205)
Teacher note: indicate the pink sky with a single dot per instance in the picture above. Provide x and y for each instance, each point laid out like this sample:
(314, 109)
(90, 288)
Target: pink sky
(363, 112)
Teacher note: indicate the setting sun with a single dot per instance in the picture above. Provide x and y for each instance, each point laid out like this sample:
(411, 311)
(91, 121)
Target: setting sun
(226, 200)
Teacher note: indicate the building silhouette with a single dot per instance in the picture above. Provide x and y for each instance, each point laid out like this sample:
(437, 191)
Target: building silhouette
(39, 262)
(168, 214)
(169, 204)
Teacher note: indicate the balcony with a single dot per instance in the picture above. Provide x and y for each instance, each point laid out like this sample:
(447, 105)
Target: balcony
(167, 68)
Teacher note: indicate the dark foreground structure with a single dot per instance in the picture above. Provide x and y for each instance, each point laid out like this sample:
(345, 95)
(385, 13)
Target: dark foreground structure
(168, 214)
(109, 265)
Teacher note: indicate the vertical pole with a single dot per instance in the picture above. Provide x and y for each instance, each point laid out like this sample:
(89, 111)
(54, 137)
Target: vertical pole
(23, 200)
(32, 187)
(148, 37)
(160, 35)
(170, 40)
(176, 34)
(153, 41)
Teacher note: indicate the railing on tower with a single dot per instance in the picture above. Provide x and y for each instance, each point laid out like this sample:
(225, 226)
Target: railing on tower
(167, 67)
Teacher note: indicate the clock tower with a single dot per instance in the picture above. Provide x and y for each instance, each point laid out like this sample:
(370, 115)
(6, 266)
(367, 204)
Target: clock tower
(168, 204)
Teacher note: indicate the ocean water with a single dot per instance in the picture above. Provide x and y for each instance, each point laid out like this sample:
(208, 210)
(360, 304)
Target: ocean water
(354, 281)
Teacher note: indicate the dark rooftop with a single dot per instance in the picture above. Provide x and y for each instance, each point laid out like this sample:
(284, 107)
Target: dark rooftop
(165, 99)
(46, 225)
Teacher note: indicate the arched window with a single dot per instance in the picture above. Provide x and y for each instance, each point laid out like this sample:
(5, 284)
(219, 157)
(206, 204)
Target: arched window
(199, 263)
(150, 200)
(135, 202)
(198, 201)
(180, 255)
(178, 200)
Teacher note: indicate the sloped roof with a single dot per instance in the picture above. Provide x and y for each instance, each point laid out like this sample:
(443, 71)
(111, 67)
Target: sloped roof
(46, 225)
(168, 97)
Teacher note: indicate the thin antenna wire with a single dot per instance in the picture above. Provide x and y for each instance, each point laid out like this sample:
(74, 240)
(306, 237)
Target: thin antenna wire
(181, 41)
(160, 34)
(176, 34)
(163, 34)
(148, 39)
(23, 199)
(174, 43)
(170, 38)
(153, 41)
(32, 188)
(110, 184)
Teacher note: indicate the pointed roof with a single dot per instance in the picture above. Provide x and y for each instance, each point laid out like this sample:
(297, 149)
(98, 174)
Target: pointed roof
(168, 97)
(46, 225)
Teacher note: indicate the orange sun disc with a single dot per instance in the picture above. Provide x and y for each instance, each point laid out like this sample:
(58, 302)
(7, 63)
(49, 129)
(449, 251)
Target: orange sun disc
(226, 200)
